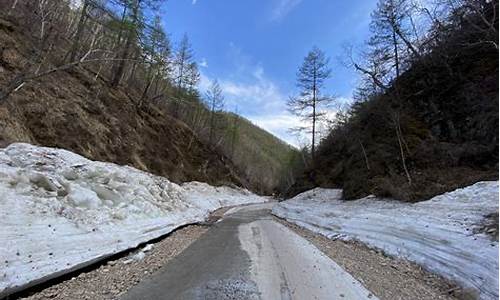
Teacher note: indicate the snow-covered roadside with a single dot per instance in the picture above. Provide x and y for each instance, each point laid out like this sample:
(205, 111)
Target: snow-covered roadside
(60, 211)
(437, 234)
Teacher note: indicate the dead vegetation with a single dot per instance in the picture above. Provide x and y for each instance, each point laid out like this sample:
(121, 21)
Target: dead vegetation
(489, 226)
(78, 110)
(103, 81)
(431, 127)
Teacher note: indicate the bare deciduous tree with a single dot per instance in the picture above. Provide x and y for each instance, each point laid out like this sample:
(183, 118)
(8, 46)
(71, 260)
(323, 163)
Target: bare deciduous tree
(185, 69)
(215, 102)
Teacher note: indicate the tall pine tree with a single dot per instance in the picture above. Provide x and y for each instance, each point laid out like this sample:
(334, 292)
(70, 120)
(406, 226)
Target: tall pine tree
(310, 80)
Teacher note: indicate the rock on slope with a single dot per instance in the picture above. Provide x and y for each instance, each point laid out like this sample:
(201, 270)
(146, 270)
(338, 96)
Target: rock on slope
(60, 211)
(438, 234)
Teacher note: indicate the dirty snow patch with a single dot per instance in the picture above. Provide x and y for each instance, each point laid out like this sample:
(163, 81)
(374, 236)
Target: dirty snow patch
(437, 234)
(60, 211)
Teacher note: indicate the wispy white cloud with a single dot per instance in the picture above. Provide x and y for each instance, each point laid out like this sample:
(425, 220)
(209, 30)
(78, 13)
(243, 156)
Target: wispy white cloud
(203, 63)
(204, 83)
(259, 97)
(194, 2)
(256, 96)
(263, 103)
(279, 124)
(282, 8)
(260, 100)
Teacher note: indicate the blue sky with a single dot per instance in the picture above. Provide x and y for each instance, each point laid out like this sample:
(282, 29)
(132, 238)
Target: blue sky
(254, 48)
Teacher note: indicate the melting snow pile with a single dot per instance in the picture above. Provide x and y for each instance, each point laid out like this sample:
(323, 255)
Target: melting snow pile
(60, 211)
(437, 234)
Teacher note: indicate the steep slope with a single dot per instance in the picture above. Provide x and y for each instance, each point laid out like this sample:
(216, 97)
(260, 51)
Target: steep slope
(447, 107)
(265, 160)
(266, 163)
(79, 111)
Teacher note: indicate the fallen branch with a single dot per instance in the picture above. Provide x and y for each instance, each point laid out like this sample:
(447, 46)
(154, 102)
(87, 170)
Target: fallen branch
(364, 154)
(21, 79)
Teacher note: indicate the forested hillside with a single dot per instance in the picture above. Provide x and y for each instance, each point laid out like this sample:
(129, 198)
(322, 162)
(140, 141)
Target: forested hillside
(268, 164)
(103, 80)
(425, 119)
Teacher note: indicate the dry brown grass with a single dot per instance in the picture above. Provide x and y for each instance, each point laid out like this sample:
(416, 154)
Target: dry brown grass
(78, 111)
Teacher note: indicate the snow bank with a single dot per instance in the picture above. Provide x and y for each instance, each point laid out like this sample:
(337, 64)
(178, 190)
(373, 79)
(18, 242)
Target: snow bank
(437, 234)
(60, 211)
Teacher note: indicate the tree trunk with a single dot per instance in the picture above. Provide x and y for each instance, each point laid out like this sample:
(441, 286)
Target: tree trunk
(403, 158)
(79, 31)
(180, 80)
(130, 38)
(146, 89)
(234, 135)
(396, 54)
(364, 154)
(313, 144)
(117, 76)
(120, 32)
(12, 7)
(212, 121)
(157, 76)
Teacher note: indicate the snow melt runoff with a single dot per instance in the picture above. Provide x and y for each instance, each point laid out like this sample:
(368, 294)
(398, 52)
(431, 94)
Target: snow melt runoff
(60, 211)
(437, 234)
